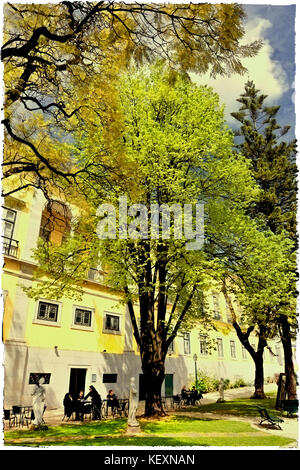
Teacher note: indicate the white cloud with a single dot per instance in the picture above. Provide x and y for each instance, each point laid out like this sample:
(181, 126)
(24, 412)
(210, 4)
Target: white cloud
(267, 74)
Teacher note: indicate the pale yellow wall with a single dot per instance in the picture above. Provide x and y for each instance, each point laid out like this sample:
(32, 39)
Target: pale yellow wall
(10, 288)
(70, 337)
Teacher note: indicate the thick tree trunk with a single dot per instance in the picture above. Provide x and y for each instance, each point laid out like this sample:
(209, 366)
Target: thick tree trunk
(153, 367)
(153, 383)
(291, 385)
(258, 358)
(259, 376)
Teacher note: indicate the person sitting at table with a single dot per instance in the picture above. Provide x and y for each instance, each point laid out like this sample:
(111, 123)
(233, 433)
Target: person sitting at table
(68, 405)
(185, 395)
(112, 400)
(194, 395)
(96, 402)
(79, 406)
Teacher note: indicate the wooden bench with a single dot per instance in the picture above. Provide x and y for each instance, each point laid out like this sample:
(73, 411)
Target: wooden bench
(271, 419)
(290, 406)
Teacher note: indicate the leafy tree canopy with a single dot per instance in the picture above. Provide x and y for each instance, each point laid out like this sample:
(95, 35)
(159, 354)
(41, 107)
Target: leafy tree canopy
(61, 61)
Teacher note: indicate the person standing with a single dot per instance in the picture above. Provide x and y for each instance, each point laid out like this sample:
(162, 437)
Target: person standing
(96, 402)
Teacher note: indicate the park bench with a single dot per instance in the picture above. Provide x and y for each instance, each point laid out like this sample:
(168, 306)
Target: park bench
(290, 406)
(266, 416)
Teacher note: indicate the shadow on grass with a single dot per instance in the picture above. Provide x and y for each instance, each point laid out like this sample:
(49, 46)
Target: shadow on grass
(249, 441)
(240, 407)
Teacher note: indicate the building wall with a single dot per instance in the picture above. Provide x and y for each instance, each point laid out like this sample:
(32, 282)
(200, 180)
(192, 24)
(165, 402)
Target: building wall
(34, 345)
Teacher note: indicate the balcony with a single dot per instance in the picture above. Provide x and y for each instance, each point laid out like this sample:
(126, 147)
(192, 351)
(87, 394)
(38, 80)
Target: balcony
(10, 247)
(95, 275)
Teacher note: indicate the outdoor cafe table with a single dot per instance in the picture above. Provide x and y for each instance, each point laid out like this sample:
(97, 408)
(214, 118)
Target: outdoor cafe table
(23, 413)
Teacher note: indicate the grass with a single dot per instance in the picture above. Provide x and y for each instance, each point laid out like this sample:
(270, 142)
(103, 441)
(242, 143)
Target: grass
(240, 407)
(175, 430)
(182, 424)
(242, 441)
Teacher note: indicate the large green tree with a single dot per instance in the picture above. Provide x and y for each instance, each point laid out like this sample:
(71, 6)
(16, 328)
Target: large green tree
(176, 142)
(261, 139)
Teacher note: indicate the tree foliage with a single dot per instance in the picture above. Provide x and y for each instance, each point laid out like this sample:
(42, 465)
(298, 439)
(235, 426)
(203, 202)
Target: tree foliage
(61, 61)
(175, 140)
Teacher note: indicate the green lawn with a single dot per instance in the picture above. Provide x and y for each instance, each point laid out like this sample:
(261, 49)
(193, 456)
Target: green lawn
(171, 432)
(239, 407)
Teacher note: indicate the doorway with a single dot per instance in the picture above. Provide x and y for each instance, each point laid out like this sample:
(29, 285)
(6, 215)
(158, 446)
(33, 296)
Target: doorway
(169, 385)
(77, 381)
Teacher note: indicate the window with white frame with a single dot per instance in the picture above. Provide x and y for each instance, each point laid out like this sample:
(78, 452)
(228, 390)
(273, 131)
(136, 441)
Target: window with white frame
(279, 356)
(232, 349)
(82, 317)
(171, 348)
(216, 307)
(244, 352)
(187, 343)
(112, 323)
(10, 245)
(220, 347)
(203, 345)
(47, 312)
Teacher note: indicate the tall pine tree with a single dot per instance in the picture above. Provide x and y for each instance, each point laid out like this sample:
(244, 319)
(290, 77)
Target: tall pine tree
(274, 168)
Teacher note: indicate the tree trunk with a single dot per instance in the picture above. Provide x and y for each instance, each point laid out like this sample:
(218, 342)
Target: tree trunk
(259, 374)
(257, 356)
(154, 375)
(153, 367)
(291, 385)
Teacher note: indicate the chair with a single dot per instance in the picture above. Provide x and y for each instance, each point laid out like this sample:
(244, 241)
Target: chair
(104, 409)
(122, 409)
(176, 401)
(10, 417)
(17, 411)
(87, 410)
(164, 403)
(27, 415)
(266, 416)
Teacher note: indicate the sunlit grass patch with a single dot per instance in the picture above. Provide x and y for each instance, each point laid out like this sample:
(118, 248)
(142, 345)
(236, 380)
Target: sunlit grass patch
(106, 427)
(180, 424)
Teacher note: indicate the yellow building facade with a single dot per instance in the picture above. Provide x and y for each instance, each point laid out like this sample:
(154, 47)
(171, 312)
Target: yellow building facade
(77, 344)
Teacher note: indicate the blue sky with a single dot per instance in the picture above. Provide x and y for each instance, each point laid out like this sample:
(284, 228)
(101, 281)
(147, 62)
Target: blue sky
(273, 69)
(281, 36)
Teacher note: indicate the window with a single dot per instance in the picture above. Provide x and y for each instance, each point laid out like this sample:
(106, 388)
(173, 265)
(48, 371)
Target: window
(9, 219)
(244, 352)
(112, 322)
(187, 343)
(278, 354)
(110, 378)
(10, 246)
(220, 347)
(216, 307)
(95, 275)
(47, 311)
(46, 228)
(232, 349)
(171, 348)
(34, 377)
(228, 313)
(203, 345)
(83, 317)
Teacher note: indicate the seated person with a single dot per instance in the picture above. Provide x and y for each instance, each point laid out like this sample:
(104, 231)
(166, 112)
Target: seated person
(112, 400)
(79, 406)
(185, 395)
(194, 395)
(68, 405)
